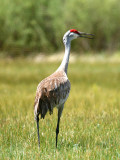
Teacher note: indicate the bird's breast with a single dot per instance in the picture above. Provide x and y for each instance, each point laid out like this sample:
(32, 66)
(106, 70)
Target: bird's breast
(60, 94)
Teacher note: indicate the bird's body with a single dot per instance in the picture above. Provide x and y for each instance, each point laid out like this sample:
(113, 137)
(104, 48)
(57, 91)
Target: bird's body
(54, 90)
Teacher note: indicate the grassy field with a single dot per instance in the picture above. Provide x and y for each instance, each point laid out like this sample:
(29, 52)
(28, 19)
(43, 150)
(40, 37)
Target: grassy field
(90, 123)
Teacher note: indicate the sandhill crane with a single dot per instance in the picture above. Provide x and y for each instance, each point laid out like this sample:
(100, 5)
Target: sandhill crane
(54, 90)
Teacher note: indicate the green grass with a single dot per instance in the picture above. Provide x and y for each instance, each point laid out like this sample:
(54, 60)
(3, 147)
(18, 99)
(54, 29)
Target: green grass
(90, 123)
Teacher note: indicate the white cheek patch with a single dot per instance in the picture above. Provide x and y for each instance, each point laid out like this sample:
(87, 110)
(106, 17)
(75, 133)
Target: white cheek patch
(75, 35)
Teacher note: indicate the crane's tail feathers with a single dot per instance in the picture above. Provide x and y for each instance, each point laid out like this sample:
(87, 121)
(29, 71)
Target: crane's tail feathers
(41, 108)
(44, 107)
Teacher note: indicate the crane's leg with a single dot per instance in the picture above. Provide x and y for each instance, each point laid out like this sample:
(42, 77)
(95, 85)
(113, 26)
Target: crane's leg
(37, 120)
(58, 122)
(57, 130)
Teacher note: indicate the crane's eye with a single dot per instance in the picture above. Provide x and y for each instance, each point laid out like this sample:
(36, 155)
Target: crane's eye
(71, 34)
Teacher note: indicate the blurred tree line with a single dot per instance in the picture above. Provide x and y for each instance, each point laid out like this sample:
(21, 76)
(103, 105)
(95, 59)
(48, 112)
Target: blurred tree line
(38, 26)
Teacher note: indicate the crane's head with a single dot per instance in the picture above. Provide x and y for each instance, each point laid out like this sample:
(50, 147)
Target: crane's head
(73, 34)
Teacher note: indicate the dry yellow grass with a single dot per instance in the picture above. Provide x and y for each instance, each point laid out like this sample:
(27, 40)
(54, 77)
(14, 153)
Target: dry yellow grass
(90, 124)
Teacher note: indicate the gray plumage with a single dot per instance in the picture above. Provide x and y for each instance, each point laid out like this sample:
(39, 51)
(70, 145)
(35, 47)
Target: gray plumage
(51, 92)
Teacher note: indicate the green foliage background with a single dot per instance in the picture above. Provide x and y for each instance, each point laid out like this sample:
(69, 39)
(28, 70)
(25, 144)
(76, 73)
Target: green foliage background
(29, 25)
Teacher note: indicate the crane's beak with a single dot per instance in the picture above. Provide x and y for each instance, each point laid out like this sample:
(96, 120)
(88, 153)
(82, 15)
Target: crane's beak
(86, 35)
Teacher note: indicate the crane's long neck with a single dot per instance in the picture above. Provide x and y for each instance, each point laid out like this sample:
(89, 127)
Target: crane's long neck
(65, 61)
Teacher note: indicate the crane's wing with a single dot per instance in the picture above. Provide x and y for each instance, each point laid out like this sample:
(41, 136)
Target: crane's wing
(51, 92)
